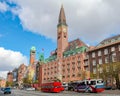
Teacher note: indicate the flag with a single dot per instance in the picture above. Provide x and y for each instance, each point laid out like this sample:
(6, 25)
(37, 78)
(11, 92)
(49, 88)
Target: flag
(42, 49)
(41, 57)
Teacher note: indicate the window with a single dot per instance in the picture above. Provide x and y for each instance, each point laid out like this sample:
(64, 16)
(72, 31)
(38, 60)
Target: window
(68, 66)
(105, 51)
(87, 69)
(73, 75)
(106, 60)
(93, 82)
(101, 70)
(73, 68)
(94, 62)
(63, 70)
(87, 56)
(119, 47)
(64, 35)
(79, 75)
(78, 63)
(68, 70)
(112, 48)
(114, 59)
(68, 76)
(94, 70)
(63, 76)
(86, 62)
(99, 53)
(93, 54)
(100, 60)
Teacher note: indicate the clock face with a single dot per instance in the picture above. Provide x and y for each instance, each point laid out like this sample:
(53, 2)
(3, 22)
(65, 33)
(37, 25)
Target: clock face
(64, 29)
(59, 30)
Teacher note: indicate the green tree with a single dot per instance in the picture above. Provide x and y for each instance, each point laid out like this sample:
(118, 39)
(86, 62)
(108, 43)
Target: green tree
(10, 84)
(110, 71)
(27, 80)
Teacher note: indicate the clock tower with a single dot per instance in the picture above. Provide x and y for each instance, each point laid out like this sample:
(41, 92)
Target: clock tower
(62, 36)
(32, 55)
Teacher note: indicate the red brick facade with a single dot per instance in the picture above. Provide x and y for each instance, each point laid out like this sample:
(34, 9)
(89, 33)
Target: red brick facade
(10, 77)
(66, 68)
(21, 73)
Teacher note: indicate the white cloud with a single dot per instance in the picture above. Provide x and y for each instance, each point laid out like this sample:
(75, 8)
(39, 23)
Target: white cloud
(9, 60)
(91, 20)
(3, 6)
(3, 74)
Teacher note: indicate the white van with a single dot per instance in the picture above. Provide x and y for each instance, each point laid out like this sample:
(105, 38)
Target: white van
(65, 85)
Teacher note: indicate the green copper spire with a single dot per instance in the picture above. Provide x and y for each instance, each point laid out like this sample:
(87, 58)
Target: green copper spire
(33, 48)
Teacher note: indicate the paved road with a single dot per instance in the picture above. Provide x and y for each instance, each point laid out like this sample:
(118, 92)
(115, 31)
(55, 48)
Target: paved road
(65, 93)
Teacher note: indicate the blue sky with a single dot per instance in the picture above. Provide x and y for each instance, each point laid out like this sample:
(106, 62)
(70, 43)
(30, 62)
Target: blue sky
(14, 37)
(27, 23)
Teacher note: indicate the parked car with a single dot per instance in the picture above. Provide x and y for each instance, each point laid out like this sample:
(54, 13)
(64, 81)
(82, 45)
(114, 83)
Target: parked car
(108, 87)
(6, 90)
(30, 88)
(1, 88)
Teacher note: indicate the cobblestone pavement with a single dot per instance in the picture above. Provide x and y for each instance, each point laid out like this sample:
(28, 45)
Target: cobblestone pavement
(64, 93)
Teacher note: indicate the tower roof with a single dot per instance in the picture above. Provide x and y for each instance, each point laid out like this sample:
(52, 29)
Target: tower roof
(62, 18)
(33, 48)
(109, 41)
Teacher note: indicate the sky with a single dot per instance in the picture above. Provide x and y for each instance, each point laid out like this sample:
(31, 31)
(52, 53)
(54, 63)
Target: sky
(27, 23)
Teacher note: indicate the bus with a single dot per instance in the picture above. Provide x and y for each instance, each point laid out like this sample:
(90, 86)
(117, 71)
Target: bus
(54, 87)
(93, 85)
(65, 85)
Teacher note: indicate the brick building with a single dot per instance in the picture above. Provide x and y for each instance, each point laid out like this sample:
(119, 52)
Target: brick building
(10, 77)
(69, 61)
(104, 59)
(21, 73)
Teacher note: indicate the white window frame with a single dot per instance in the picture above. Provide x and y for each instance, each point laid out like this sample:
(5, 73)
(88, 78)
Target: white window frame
(105, 51)
(94, 70)
(86, 62)
(106, 60)
(114, 57)
(93, 54)
(99, 53)
(94, 62)
(100, 60)
(112, 48)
